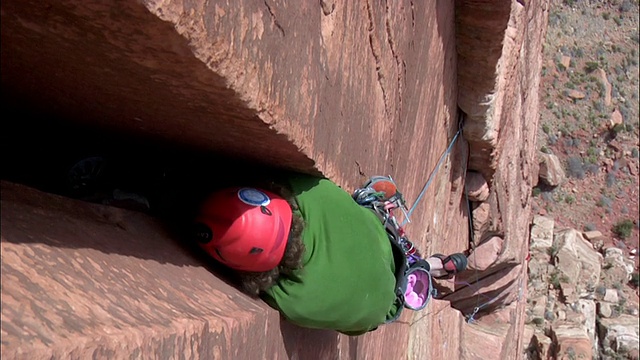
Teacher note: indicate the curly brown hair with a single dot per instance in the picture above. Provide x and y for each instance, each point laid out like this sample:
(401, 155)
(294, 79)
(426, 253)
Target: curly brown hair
(253, 283)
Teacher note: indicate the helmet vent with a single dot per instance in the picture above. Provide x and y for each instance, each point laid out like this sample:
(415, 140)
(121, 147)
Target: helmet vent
(202, 233)
(256, 250)
(219, 254)
(265, 210)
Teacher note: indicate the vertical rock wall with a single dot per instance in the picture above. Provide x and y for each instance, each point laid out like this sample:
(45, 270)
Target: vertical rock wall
(506, 40)
(345, 89)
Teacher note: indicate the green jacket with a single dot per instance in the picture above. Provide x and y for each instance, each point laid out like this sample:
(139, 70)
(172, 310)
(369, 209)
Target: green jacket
(347, 282)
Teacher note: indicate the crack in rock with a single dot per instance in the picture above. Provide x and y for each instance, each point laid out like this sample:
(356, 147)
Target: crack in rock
(274, 19)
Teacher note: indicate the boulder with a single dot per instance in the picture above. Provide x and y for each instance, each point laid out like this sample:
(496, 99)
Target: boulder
(541, 233)
(575, 94)
(611, 296)
(615, 259)
(604, 309)
(543, 345)
(551, 171)
(577, 262)
(592, 235)
(615, 119)
(588, 310)
(539, 272)
(619, 332)
(607, 87)
(476, 187)
(595, 237)
(561, 315)
(481, 215)
(572, 341)
(527, 337)
(538, 306)
(486, 254)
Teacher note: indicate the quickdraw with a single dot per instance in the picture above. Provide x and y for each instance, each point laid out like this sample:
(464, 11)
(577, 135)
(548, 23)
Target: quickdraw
(414, 286)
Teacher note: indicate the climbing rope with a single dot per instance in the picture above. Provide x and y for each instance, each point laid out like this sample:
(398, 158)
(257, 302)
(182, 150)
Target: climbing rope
(435, 170)
(490, 300)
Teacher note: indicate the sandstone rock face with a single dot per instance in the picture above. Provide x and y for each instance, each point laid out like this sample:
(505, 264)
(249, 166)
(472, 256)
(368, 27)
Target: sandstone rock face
(621, 332)
(481, 217)
(477, 187)
(104, 282)
(337, 89)
(491, 338)
(496, 38)
(486, 254)
(332, 88)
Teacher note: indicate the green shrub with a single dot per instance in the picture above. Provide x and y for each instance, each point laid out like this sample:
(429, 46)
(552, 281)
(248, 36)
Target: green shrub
(604, 202)
(575, 167)
(623, 228)
(554, 280)
(635, 279)
(591, 66)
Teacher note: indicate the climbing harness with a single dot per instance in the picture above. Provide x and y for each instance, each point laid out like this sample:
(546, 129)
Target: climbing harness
(381, 195)
(414, 286)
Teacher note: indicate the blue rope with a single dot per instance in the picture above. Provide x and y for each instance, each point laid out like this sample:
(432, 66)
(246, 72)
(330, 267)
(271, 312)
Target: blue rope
(426, 186)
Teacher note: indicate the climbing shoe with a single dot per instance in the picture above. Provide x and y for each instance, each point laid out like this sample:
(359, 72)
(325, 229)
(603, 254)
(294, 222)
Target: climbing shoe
(452, 264)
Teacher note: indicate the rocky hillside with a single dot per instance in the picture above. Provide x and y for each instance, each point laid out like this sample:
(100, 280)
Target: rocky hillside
(580, 302)
(583, 270)
(588, 135)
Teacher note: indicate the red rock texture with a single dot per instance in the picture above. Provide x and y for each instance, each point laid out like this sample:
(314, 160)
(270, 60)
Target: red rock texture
(346, 89)
(81, 280)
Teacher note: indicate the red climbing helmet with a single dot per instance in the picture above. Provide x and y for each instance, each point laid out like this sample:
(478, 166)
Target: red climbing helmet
(244, 228)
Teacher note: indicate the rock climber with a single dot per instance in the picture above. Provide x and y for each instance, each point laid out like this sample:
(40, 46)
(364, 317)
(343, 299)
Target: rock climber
(322, 257)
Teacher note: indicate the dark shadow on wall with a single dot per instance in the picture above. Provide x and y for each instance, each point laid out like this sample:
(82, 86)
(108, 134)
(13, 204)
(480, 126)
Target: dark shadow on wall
(303, 343)
(143, 181)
